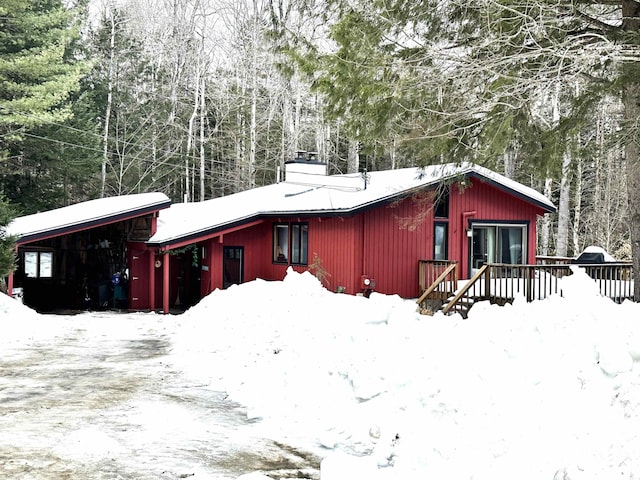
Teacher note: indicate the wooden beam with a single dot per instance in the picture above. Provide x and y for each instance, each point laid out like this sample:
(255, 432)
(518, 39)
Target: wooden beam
(152, 279)
(165, 282)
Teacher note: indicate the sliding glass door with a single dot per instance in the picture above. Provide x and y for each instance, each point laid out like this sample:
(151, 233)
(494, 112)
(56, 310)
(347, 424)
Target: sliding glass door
(496, 243)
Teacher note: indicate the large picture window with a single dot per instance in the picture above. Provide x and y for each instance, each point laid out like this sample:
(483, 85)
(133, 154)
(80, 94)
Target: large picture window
(290, 243)
(38, 264)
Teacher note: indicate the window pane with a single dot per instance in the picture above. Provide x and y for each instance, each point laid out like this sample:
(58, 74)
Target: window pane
(31, 264)
(440, 241)
(46, 264)
(441, 207)
(483, 246)
(295, 243)
(299, 233)
(280, 243)
(510, 246)
(304, 250)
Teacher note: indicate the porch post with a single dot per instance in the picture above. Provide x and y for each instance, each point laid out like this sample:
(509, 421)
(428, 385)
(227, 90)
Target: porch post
(10, 284)
(152, 280)
(165, 282)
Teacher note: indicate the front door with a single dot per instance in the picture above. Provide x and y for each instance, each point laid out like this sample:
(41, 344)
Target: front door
(233, 266)
(139, 279)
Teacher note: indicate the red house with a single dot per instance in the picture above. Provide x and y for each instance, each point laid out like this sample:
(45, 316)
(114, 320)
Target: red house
(356, 230)
(372, 227)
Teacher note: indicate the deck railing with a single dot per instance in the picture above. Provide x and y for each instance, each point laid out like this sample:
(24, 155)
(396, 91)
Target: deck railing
(430, 270)
(441, 288)
(502, 283)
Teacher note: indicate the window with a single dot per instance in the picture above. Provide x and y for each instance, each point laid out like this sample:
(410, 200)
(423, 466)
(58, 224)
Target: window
(299, 234)
(440, 241)
(280, 243)
(38, 264)
(290, 243)
(441, 203)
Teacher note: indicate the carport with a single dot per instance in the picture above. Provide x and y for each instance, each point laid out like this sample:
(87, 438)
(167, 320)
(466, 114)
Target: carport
(76, 257)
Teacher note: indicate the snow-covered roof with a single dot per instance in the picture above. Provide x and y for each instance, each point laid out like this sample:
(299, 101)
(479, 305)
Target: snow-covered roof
(83, 215)
(320, 195)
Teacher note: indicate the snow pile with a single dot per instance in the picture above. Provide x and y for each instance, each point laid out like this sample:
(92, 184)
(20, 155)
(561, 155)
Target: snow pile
(549, 389)
(26, 324)
(11, 308)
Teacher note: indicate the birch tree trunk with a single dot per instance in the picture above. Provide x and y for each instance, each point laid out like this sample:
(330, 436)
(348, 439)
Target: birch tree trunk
(107, 114)
(251, 167)
(353, 157)
(190, 136)
(545, 227)
(577, 205)
(563, 205)
(202, 140)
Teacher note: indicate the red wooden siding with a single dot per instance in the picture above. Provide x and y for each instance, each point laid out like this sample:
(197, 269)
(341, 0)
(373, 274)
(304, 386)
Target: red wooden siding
(396, 237)
(337, 242)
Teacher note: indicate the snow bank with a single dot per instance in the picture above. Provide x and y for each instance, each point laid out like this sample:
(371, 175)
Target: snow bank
(12, 308)
(529, 390)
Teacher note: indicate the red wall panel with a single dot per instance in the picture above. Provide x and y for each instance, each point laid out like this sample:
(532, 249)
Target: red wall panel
(397, 236)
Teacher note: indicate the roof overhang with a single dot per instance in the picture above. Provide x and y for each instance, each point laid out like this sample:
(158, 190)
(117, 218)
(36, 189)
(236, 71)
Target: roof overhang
(207, 234)
(42, 226)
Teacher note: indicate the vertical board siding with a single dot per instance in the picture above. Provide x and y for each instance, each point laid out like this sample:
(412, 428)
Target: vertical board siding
(397, 236)
(337, 242)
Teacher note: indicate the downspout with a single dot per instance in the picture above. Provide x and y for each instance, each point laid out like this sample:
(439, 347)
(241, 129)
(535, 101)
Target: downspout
(464, 238)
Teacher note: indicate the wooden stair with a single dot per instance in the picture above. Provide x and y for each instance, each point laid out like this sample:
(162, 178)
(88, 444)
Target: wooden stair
(460, 300)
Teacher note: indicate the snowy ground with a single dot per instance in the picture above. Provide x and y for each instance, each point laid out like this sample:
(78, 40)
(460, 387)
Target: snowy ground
(290, 380)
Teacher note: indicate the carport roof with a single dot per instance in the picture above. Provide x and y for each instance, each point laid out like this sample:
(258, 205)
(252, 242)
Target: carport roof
(85, 215)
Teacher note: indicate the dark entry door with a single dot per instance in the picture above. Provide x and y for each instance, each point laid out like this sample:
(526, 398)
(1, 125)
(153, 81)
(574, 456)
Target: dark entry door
(139, 279)
(233, 266)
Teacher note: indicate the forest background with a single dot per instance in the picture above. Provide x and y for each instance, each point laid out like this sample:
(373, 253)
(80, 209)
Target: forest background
(203, 98)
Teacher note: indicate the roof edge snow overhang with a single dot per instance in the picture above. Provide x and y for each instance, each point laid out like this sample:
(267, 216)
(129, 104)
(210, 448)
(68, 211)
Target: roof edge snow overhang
(92, 223)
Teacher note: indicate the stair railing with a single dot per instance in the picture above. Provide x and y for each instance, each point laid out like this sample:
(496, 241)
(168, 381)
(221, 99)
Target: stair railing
(463, 293)
(443, 286)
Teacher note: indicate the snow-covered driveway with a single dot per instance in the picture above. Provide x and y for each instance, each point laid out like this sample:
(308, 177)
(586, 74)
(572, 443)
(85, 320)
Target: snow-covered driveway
(96, 396)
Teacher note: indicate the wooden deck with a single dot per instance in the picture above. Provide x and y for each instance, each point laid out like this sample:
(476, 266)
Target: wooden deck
(502, 283)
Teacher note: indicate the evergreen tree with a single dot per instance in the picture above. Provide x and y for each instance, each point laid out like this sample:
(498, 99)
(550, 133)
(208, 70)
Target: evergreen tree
(39, 86)
(7, 244)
